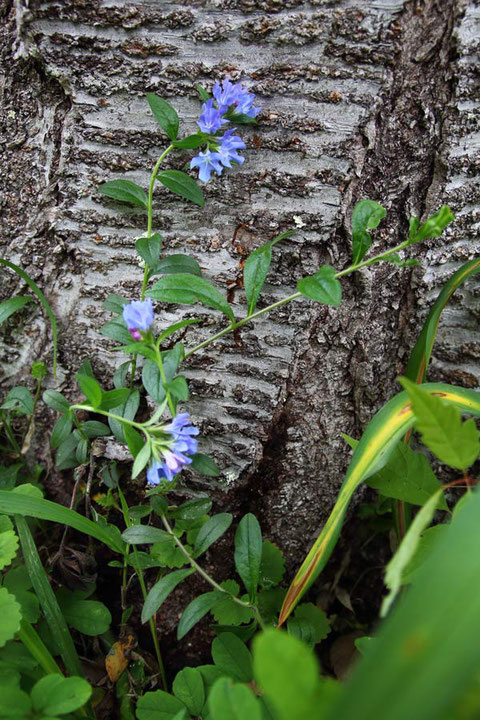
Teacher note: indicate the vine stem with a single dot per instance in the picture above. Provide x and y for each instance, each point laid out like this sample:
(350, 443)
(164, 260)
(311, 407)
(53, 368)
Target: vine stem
(294, 296)
(208, 577)
(139, 571)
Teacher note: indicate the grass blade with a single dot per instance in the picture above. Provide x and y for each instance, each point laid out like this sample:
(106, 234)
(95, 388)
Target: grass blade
(43, 300)
(380, 437)
(35, 645)
(417, 366)
(48, 601)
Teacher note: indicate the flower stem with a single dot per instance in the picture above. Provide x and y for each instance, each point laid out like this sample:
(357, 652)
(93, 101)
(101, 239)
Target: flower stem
(289, 298)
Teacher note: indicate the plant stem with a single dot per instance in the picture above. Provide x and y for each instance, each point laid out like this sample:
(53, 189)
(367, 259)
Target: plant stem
(164, 380)
(208, 577)
(139, 572)
(294, 296)
(89, 408)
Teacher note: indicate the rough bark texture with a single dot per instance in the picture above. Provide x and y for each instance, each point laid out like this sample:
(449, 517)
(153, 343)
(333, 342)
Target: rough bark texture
(376, 98)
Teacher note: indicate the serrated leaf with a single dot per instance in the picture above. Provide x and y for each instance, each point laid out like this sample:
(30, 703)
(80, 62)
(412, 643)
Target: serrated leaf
(166, 552)
(322, 287)
(182, 184)
(309, 623)
(407, 476)
(164, 114)
(248, 552)
(8, 307)
(11, 615)
(453, 442)
(272, 566)
(161, 590)
(226, 611)
(195, 611)
(8, 547)
(209, 533)
(187, 289)
(125, 191)
(366, 216)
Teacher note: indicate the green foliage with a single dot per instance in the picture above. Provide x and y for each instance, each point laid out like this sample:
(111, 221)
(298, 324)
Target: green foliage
(309, 623)
(189, 688)
(11, 615)
(209, 533)
(182, 184)
(366, 216)
(431, 228)
(164, 114)
(186, 289)
(8, 307)
(455, 443)
(161, 590)
(248, 552)
(125, 191)
(233, 701)
(196, 610)
(256, 269)
(322, 286)
(55, 695)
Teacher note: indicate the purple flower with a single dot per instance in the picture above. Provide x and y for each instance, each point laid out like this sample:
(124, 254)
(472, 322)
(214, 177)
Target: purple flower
(225, 94)
(206, 162)
(229, 144)
(211, 119)
(175, 449)
(138, 315)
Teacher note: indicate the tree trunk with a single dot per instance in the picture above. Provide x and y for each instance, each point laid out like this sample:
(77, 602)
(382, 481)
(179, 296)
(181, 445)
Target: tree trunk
(374, 98)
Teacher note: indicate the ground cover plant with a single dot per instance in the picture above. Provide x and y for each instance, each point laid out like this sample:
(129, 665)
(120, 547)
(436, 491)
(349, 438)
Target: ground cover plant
(266, 632)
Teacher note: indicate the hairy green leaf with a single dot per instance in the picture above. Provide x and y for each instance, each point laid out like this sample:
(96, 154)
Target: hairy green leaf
(164, 114)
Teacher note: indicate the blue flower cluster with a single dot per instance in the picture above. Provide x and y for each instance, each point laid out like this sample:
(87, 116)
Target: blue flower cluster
(222, 150)
(138, 315)
(175, 449)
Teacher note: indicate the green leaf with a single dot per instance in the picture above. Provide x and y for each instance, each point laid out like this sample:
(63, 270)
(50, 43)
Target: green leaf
(141, 459)
(66, 453)
(204, 465)
(426, 545)
(248, 552)
(204, 95)
(94, 429)
(187, 289)
(182, 184)
(272, 566)
(425, 656)
(407, 476)
(287, 672)
(209, 533)
(12, 503)
(90, 388)
(322, 287)
(19, 398)
(46, 597)
(114, 303)
(167, 554)
(453, 442)
(366, 216)
(143, 535)
(188, 687)
(195, 611)
(152, 381)
(61, 430)
(14, 703)
(178, 388)
(11, 616)
(56, 401)
(149, 249)
(406, 550)
(226, 611)
(175, 264)
(309, 624)
(90, 617)
(125, 191)
(164, 114)
(82, 451)
(158, 705)
(191, 142)
(161, 590)
(256, 269)
(113, 398)
(8, 547)
(38, 370)
(193, 509)
(56, 695)
(43, 301)
(233, 657)
(8, 307)
(417, 366)
(128, 409)
(232, 701)
(178, 326)
(432, 228)
(117, 330)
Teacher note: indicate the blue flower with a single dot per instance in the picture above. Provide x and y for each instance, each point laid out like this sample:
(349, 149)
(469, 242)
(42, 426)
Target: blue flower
(206, 162)
(225, 94)
(211, 119)
(138, 315)
(229, 144)
(175, 447)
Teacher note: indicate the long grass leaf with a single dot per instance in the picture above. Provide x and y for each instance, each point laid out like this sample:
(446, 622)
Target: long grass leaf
(12, 503)
(377, 442)
(35, 645)
(46, 597)
(43, 300)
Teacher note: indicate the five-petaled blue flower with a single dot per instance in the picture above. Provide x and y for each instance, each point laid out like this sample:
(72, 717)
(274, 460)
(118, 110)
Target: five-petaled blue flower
(206, 162)
(138, 315)
(231, 100)
(175, 450)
